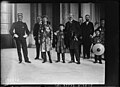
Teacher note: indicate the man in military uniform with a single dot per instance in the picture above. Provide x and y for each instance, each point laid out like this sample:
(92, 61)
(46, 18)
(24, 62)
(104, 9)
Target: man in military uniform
(19, 31)
(37, 26)
(87, 33)
(72, 33)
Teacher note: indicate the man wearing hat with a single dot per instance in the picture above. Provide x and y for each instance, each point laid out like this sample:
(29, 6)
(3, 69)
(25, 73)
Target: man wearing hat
(20, 32)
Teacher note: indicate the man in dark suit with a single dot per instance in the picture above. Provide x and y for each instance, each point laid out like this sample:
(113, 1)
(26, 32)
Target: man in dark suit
(80, 20)
(37, 26)
(87, 32)
(72, 33)
(19, 31)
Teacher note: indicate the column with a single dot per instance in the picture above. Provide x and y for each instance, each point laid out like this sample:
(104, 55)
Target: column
(85, 9)
(74, 10)
(6, 21)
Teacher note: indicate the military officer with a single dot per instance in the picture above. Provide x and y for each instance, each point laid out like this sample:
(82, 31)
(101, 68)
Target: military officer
(20, 32)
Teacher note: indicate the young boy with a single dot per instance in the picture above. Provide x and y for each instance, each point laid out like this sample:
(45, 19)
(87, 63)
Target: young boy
(60, 45)
(97, 39)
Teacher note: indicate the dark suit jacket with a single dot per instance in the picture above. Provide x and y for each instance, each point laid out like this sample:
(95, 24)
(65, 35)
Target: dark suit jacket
(19, 28)
(87, 30)
(35, 30)
(71, 30)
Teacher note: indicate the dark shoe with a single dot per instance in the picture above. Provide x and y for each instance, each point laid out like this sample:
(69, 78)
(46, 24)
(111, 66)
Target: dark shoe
(71, 61)
(57, 61)
(95, 62)
(78, 63)
(36, 58)
(27, 61)
(43, 61)
(63, 62)
(88, 57)
(20, 61)
(50, 61)
(100, 62)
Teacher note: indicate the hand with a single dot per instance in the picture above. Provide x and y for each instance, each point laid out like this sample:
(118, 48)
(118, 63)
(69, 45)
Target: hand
(80, 37)
(75, 38)
(55, 33)
(25, 36)
(15, 35)
(39, 41)
(91, 36)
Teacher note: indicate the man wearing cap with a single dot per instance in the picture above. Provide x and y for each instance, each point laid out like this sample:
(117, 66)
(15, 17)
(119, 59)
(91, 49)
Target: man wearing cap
(37, 27)
(20, 32)
(72, 34)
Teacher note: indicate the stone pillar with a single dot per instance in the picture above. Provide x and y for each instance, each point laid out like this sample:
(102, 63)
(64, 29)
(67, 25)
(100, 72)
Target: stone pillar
(61, 12)
(6, 21)
(74, 10)
(65, 8)
(49, 11)
(34, 13)
(39, 9)
(85, 9)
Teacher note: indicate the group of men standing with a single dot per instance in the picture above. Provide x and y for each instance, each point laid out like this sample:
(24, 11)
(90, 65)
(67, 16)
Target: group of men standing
(78, 33)
(75, 34)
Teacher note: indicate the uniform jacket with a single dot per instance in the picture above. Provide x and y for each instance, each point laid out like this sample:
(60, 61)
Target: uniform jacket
(19, 28)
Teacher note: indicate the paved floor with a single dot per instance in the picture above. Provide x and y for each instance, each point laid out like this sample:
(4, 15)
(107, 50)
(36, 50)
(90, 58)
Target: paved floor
(56, 73)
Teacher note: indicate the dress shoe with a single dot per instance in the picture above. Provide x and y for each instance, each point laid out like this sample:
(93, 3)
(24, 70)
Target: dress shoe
(95, 62)
(27, 61)
(36, 58)
(100, 62)
(78, 63)
(50, 61)
(43, 61)
(57, 61)
(20, 61)
(63, 62)
(71, 61)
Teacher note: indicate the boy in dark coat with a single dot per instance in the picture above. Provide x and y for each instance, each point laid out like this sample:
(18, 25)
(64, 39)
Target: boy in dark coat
(60, 45)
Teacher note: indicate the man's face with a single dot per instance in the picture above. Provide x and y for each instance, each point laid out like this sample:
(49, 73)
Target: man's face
(103, 23)
(61, 28)
(70, 17)
(97, 33)
(45, 20)
(39, 20)
(87, 17)
(80, 20)
(20, 17)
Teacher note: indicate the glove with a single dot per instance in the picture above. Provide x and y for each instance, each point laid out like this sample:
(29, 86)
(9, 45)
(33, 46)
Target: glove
(15, 35)
(25, 36)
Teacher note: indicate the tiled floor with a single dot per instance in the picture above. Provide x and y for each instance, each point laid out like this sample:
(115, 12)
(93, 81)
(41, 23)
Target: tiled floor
(56, 73)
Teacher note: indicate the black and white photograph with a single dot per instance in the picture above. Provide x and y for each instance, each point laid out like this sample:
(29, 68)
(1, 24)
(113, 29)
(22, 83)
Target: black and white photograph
(59, 43)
